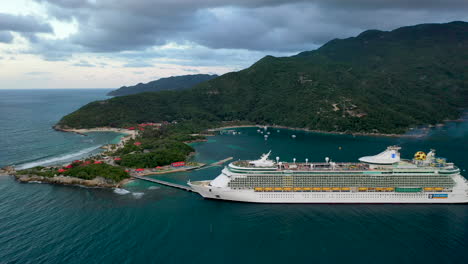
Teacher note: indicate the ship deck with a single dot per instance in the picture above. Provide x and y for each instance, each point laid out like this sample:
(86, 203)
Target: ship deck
(312, 166)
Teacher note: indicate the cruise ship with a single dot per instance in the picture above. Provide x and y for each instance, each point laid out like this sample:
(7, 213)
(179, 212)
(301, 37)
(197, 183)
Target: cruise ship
(383, 178)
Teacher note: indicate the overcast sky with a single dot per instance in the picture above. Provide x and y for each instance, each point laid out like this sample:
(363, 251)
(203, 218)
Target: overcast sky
(110, 43)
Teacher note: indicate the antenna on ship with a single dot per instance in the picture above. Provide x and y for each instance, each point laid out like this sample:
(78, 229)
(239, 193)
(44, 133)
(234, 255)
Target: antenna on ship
(277, 159)
(307, 160)
(294, 160)
(327, 159)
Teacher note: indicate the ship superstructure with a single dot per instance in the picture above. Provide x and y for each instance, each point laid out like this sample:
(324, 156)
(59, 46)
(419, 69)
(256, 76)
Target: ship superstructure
(382, 178)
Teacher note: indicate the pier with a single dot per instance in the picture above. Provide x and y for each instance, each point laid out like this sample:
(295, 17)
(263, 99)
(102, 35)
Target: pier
(175, 185)
(170, 184)
(218, 163)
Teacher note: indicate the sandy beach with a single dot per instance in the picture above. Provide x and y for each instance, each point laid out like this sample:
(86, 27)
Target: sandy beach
(131, 134)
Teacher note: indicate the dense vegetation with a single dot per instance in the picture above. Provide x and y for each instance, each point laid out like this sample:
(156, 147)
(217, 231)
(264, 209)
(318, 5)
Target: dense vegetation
(164, 84)
(86, 170)
(157, 147)
(39, 171)
(379, 81)
(92, 171)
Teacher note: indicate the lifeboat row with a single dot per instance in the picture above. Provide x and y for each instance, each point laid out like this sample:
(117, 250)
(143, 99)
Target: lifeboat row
(335, 189)
(300, 189)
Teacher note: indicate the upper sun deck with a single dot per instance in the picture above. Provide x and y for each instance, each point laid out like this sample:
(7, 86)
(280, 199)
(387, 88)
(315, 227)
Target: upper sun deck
(402, 165)
(310, 166)
(386, 161)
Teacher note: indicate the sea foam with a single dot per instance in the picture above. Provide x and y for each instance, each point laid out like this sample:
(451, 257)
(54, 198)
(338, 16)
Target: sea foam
(121, 191)
(138, 195)
(57, 159)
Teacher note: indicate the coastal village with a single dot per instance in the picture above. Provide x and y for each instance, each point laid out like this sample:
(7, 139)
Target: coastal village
(132, 138)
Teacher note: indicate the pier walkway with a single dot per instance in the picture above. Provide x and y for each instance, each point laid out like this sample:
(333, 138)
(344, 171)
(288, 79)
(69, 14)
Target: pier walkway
(214, 164)
(170, 184)
(175, 185)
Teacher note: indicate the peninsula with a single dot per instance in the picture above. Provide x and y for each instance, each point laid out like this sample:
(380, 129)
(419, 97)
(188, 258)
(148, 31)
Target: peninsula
(377, 82)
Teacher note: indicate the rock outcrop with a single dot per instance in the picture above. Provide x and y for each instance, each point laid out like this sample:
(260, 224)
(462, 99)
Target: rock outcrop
(66, 180)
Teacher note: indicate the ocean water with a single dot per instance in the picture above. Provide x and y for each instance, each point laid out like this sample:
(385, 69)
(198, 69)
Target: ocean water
(148, 223)
(26, 118)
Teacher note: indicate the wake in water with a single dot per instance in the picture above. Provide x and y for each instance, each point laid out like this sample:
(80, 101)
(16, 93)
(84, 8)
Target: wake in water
(121, 191)
(138, 195)
(59, 159)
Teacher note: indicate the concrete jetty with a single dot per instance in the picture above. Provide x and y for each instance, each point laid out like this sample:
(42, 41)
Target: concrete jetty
(170, 184)
(175, 185)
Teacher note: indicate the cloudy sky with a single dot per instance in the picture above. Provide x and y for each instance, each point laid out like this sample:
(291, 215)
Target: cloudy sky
(110, 43)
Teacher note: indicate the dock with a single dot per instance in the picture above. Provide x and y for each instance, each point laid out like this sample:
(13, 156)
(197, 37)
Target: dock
(175, 185)
(218, 163)
(170, 184)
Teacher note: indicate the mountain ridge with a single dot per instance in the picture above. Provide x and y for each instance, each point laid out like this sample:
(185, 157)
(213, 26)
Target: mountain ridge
(180, 82)
(378, 82)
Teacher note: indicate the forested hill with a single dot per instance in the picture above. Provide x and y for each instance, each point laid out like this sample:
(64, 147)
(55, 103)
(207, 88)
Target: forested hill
(164, 84)
(382, 82)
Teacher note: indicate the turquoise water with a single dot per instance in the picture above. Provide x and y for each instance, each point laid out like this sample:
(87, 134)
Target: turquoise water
(42, 223)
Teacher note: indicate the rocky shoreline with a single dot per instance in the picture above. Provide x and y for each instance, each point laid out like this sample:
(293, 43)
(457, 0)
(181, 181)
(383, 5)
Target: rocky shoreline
(325, 132)
(66, 180)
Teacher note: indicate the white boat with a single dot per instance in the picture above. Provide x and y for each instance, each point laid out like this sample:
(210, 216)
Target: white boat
(383, 178)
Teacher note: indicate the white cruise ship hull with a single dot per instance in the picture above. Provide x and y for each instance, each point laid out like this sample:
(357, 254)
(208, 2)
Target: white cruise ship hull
(382, 178)
(327, 197)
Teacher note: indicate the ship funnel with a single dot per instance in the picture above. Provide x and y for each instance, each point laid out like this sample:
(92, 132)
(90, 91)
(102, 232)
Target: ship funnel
(389, 156)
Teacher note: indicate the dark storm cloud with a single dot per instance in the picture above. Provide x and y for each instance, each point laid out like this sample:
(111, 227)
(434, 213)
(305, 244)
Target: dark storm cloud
(254, 25)
(6, 37)
(28, 24)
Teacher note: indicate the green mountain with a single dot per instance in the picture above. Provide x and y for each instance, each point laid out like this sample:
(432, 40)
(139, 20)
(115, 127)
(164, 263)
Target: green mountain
(164, 84)
(381, 82)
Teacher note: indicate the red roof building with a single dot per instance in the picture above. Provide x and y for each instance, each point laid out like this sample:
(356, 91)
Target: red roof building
(62, 170)
(117, 158)
(178, 164)
(137, 143)
(139, 170)
(98, 162)
(69, 166)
